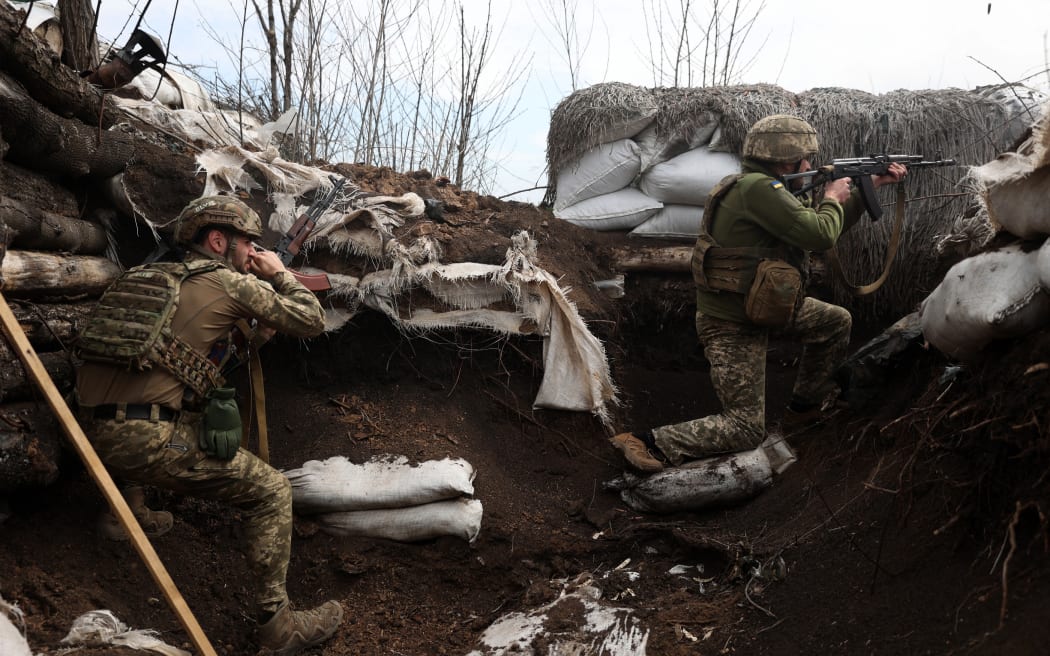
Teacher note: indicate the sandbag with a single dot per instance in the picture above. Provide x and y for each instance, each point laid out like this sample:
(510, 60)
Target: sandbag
(672, 222)
(603, 169)
(620, 210)
(993, 295)
(1019, 206)
(459, 517)
(12, 642)
(698, 484)
(336, 484)
(688, 178)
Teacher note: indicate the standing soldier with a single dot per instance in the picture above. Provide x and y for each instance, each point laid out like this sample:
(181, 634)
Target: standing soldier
(750, 268)
(151, 394)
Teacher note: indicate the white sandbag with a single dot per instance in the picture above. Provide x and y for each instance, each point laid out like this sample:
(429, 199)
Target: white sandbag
(672, 222)
(12, 642)
(699, 484)
(577, 623)
(460, 518)
(620, 210)
(993, 295)
(688, 178)
(603, 169)
(655, 147)
(1042, 265)
(336, 484)
(1019, 205)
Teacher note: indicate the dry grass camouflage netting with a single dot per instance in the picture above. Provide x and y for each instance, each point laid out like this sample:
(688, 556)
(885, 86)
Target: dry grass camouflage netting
(971, 127)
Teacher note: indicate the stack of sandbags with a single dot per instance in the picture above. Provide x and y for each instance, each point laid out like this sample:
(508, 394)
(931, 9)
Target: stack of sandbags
(682, 184)
(388, 497)
(594, 191)
(1003, 293)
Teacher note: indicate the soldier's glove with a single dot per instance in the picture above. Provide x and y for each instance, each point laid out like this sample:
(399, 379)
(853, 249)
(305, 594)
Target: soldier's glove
(221, 428)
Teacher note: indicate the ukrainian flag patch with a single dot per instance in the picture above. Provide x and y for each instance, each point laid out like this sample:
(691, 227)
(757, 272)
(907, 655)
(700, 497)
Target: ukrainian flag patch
(777, 184)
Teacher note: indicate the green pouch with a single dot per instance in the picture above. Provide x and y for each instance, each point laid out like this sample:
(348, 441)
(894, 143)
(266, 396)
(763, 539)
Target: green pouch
(221, 424)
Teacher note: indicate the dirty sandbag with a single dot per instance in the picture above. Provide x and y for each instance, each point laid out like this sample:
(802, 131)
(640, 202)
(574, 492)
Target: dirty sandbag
(337, 485)
(12, 642)
(459, 518)
(864, 375)
(578, 622)
(699, 484)
(102, 627)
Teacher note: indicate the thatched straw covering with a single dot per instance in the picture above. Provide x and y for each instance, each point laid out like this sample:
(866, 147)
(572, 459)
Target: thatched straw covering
(595, 115)
(969, 126)
(950, 123)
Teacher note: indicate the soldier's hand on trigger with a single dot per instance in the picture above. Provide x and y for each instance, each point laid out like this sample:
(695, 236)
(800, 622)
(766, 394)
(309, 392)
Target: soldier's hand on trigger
(894, 174)
(837, 190)
(265, 264)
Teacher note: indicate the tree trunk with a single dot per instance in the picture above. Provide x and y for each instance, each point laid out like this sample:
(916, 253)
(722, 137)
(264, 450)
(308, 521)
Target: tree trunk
(39, 230)
(43, 141)
(56, 86)
(30, 446)
(27, 274)
(79, 42)
(669, 259)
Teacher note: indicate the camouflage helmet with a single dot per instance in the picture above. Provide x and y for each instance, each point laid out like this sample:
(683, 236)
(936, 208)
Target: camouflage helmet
(780, 138)
(219, 211)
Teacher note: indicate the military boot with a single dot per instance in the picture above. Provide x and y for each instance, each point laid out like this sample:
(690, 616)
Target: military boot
(636, 452)
(155, 523)
(289, 631)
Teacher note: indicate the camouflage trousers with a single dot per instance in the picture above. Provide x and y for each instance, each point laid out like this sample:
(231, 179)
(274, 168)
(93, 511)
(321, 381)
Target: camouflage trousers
(167, 455)
(737, 355)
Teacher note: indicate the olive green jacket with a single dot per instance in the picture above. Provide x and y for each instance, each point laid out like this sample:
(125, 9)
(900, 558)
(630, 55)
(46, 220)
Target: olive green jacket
(759, 211)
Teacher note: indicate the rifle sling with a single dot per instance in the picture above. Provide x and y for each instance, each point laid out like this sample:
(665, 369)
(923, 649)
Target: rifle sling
(891, 253)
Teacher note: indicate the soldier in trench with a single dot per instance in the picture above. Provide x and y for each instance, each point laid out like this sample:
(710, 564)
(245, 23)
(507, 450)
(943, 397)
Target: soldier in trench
(158, 413)
(753, 217)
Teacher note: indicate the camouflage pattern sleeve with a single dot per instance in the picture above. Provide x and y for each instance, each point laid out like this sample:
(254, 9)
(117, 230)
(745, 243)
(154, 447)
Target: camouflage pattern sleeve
(282, 303)
(778, 212)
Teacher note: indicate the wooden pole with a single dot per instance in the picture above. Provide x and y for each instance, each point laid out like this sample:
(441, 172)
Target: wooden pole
(102, 478)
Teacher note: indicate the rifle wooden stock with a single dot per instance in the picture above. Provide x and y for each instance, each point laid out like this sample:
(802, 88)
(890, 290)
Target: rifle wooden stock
(315, 282)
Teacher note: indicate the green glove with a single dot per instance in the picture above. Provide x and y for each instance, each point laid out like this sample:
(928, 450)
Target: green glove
(221, 428)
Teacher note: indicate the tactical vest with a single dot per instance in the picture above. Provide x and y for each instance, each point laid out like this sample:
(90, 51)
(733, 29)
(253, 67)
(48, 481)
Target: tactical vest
(716, 268)
(770, 278)
(131, 325)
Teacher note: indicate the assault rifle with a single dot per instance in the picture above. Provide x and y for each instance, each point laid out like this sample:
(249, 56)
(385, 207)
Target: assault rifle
(860, 170)
(292, 241)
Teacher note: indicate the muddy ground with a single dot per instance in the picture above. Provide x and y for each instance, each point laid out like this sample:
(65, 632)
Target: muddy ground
(914, 524)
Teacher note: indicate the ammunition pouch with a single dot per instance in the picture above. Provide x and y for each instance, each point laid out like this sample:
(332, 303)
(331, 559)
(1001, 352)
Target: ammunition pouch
(774, 294)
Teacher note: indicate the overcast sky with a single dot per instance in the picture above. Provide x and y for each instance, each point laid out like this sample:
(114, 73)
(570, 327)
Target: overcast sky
(797, 44)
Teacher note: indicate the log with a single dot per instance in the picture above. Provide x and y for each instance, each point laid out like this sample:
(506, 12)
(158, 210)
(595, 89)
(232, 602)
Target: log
(668, 259)
(36, 190)
(38, 229)
(30, 446)
(29, 274)
(51, 327)
(44, 141)
(16, 386)
(44, 76)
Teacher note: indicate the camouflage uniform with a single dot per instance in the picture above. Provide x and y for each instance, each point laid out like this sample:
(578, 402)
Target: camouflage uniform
(759, 212)
(167, 453)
